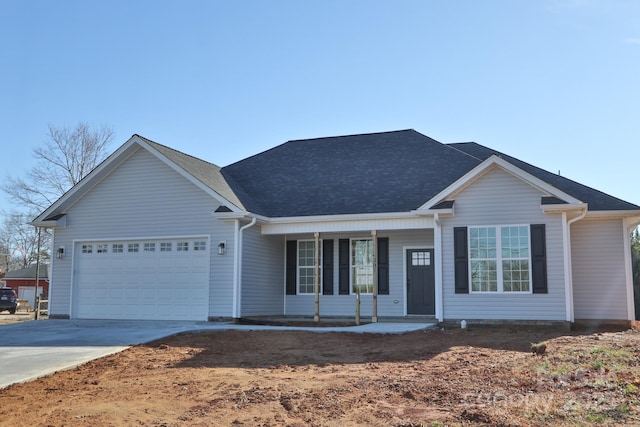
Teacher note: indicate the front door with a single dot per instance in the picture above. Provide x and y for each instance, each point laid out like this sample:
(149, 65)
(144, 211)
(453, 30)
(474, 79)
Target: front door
(420, 282)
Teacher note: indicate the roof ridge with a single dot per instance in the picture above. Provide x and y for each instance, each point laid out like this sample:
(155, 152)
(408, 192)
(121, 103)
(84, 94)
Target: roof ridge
(354, 135)
(174, 150)
(280, 146)
(451, 145)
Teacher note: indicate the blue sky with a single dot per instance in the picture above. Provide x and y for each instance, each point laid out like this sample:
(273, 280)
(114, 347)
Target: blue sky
(555, 83)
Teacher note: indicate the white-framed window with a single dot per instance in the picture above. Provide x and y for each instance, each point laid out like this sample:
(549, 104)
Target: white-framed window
(306, 266)
(117, 248)
(133, 247)
(87, 248)
(200, 246)
(150, 247)
(165, 246)
(499, 259)
(362, 266)
(182, 246)
(102, 248)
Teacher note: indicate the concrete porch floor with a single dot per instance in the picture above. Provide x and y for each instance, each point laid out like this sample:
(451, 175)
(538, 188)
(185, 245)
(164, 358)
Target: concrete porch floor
(329, 321)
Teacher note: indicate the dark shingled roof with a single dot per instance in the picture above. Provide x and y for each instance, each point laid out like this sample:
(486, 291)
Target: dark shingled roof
(380, 172)
(371, 173)
(597, 200)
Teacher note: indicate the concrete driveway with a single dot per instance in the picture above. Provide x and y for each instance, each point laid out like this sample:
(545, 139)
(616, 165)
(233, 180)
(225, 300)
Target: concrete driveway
(30, 350)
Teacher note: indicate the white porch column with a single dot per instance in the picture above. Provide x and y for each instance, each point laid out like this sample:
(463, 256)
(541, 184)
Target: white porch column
(374, 317)
(437, 244)
(316, 276)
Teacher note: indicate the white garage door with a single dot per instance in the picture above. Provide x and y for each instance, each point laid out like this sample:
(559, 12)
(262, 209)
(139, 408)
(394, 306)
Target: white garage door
(164, 279)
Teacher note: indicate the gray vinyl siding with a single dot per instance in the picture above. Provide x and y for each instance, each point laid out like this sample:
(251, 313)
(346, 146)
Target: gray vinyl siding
(499, 198)
(599, 283)
(145, 198)
(262, 273)
(392, 305)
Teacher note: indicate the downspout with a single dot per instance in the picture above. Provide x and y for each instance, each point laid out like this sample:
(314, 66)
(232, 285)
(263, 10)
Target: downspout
(437, 237)
(238, 285)
(568, 269)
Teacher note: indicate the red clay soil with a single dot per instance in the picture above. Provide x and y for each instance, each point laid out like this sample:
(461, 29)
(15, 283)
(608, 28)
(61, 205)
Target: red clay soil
(483, 376)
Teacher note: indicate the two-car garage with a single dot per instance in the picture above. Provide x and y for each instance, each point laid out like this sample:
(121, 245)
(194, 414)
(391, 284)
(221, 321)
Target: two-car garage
(152, 279)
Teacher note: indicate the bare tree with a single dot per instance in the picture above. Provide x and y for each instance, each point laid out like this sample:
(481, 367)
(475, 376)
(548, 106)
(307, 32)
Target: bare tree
(5, 253)
(20, 242)
(66, 157)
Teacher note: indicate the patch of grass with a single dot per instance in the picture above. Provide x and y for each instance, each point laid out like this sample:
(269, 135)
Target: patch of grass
(596, 418)
(595, 359)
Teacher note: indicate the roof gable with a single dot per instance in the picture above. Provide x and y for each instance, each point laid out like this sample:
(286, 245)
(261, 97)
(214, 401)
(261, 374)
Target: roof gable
(203, 171)
(597, 200)
(490, 164)
(203, 174)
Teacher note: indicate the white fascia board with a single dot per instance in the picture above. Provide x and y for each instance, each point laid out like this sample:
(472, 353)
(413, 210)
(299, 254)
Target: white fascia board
(632, 215)
(229, 215)
(343, 217)
(226, 216)
(188, 176)
(431, 212)
(563, 207)
(488, 165)
(89, 181)
(347, 223)
(54, 223)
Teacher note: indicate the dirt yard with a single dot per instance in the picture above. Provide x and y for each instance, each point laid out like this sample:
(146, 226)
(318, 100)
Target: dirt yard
(478, 376)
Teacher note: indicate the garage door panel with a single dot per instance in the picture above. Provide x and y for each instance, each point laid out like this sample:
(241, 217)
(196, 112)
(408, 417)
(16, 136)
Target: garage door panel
(147, 284)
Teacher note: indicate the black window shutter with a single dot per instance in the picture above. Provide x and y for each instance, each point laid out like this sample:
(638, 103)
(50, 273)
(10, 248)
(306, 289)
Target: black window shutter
(292, 266)
(461, 260)
(343, 266)
(327, 267)
(539, 259)
(383, 265)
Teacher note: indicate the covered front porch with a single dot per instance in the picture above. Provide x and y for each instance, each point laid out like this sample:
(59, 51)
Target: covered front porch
(375, 269)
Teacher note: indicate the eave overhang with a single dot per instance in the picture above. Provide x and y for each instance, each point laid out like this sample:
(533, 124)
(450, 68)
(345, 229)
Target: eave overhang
(53, 221)
(563, 207)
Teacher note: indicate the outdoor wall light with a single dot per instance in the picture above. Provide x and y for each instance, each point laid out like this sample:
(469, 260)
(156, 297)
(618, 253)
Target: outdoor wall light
(60, 252)
(222, 248)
